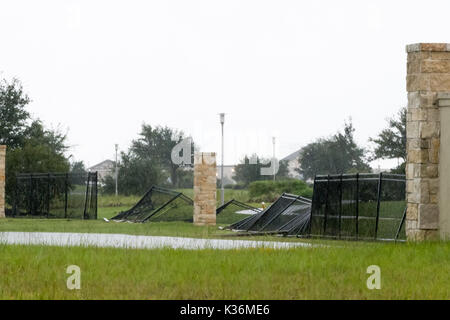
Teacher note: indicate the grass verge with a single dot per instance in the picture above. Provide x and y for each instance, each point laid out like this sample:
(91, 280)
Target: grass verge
(411, 271)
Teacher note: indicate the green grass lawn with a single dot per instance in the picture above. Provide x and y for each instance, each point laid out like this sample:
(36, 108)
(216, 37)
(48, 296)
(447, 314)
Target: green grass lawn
(176, 229)
(334, 271)
(164, 228)
(408, 271)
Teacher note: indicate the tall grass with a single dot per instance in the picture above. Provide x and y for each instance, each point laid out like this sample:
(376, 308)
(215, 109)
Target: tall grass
(117, 201)
(411, 271)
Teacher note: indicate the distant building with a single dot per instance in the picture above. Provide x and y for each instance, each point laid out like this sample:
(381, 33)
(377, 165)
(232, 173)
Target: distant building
(293, 164)
(104, 169)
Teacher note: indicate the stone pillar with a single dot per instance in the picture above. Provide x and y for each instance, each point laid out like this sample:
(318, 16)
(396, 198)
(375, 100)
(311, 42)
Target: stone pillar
(2, 180)
(205, 188)
(428, 77)
(444, 164)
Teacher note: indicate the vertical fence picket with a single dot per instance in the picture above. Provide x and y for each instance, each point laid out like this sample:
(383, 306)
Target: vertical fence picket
(340, 207)
(357, 207)
(380, 179)
(48, 196)
(66, 191)
(327, 207)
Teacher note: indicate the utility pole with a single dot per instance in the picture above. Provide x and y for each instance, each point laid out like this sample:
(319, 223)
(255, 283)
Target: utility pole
(222, 195)
(273, 157)
(116, 173)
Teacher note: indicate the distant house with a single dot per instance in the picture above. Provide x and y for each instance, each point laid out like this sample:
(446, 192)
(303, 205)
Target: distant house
(293, 163)
(104, 169)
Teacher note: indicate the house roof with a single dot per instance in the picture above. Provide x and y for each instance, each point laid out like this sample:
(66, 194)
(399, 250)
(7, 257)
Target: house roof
(105, 163)
(292, 156)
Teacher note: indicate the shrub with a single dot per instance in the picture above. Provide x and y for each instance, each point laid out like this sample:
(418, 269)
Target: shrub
(268, 190)
(236, 186)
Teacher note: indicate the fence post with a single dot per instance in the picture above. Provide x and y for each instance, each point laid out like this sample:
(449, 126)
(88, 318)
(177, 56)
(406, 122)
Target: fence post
(16, 192)
(401, 225)
(357, 206)
(96, 194)
(326, 206)
(30, 197)
(86, 200)
(340, 206)
(93, 200)
(48, 195)
(2, 180)
(378, 204)
(314, 196)
(66, 187)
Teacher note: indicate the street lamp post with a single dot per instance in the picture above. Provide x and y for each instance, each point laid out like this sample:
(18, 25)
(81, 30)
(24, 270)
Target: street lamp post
(222, 196)
(116, 173)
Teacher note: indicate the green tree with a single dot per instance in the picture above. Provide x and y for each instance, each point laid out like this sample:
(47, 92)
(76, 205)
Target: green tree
(31, 147)
(79, 172)
(334, 155)
(148, 162)
(42, 150)
(13, 115)
(136, 175)
(391, 141)
(156, 144)
(283, 170)
(185, 178)
(78, 167)
(246, 173)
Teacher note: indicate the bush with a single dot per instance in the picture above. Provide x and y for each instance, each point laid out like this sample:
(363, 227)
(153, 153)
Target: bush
(236, 186)
(269, 190)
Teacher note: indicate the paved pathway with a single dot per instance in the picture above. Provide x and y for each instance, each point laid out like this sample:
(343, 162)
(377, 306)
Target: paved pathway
(135, 242)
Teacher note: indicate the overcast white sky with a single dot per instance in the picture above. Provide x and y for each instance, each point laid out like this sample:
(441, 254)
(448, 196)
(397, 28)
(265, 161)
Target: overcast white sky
(290, 69)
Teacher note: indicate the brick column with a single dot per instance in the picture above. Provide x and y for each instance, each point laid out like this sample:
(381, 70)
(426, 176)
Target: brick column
(205, 188)
(2, 180)
(428, 76)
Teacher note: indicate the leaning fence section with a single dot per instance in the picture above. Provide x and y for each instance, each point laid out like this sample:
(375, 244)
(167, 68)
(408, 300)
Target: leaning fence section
(159, 204)
(358, 206)
(234, 211)
(56, 195)
(288, 215)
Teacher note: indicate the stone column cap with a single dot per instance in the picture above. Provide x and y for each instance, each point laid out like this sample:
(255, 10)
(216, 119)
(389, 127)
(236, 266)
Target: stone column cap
(2, 147)
(416, 47)
(206, 154)
(207, 157)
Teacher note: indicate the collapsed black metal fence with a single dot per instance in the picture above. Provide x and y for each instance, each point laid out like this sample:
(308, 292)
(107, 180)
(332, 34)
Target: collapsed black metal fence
(288, 214)
(159, 204)
(234, 210)
(56, 195)
(346, 206)
(359, 206)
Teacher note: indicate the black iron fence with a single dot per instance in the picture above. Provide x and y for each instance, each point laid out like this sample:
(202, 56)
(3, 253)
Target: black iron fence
(56, 195)
(359, 206)
(159, 204)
